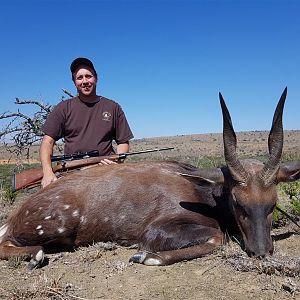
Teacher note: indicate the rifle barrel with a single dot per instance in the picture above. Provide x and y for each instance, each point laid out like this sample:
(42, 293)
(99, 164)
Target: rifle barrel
(150, 150)
(95, 153)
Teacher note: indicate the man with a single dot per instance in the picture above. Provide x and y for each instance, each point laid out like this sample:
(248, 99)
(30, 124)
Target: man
(86, 122)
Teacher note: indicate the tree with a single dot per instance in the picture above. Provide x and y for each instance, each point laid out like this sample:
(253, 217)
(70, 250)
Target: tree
(23, 131)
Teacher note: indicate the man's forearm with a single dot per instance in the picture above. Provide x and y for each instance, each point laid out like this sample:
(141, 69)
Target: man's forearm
(46, 151)
(123, 148)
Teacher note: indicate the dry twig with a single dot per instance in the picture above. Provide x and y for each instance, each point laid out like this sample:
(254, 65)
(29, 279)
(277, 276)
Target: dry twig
(23, 131)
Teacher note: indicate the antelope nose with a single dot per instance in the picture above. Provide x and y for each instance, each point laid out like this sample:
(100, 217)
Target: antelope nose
(256, 254)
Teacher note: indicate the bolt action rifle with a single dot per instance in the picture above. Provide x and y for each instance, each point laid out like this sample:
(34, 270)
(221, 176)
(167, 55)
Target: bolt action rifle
(66, 163)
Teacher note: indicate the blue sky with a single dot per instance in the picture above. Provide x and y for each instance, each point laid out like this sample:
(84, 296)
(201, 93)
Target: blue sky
(164, 61)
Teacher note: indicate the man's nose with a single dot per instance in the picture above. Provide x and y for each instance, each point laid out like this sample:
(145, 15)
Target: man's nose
(85, 80)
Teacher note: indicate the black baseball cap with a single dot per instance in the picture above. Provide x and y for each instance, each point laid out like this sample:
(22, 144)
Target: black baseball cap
(81, 61)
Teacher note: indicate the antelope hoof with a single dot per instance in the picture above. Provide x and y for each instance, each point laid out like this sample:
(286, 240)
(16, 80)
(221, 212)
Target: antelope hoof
(146, 258)
(36, 261)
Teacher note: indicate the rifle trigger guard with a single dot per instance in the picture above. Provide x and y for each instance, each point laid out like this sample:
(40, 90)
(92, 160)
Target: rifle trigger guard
(63, 164)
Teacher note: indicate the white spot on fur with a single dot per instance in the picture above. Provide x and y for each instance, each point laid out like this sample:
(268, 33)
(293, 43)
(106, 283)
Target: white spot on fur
(40, 208)
(75, 213)
(3, 230)
(66, 206)
(48, 217)
(82, 219)
(60, 230)
(41, 232)
(122, 217)
(39, 227)
(56, 197)
(26, 212)
(106, 219)
(26, 223)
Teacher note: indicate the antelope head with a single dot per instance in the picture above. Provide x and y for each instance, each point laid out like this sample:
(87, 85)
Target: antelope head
(252, 184)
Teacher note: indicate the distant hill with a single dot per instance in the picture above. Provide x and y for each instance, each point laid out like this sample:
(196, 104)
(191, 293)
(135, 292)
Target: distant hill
(195, 146)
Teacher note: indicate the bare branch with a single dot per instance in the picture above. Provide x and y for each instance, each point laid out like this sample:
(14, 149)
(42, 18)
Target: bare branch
(46, 108)
(9, 131)
(22, 131)
(18, 114)
(68, 93)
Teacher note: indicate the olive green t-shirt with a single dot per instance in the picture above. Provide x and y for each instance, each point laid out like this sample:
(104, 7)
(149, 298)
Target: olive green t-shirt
(88, 126)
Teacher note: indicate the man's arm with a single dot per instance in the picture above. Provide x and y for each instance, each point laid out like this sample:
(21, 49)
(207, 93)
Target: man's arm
(121, 148)
(46, 151)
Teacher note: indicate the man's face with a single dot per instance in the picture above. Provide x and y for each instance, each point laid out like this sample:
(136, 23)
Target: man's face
(85, 81)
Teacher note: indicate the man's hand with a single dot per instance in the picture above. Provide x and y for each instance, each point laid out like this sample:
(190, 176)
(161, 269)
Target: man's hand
(47, 179)
(106, 162)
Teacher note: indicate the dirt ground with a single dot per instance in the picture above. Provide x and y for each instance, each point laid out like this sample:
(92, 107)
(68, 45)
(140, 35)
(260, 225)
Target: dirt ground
(96, 272)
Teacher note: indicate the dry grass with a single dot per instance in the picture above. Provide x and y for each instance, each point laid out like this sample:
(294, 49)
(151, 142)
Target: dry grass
(43, 288)
(277, 264)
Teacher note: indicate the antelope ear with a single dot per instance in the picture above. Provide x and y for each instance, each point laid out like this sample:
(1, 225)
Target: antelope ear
(205, 177)
(289, 171)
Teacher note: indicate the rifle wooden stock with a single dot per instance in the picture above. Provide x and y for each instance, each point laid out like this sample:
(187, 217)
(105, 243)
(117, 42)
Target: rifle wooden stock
(33, 176)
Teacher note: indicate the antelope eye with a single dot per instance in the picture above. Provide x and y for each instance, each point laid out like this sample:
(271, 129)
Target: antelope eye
(241, 209)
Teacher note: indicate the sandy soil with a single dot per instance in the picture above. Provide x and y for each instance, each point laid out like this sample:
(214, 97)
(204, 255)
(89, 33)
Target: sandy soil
(94, 273)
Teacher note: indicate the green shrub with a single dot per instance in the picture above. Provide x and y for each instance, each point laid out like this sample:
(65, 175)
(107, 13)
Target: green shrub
(6, 172)
(8, 196)
(295, 207)
(278, 218)
(209, 161)
(290, 156)
(292, 189)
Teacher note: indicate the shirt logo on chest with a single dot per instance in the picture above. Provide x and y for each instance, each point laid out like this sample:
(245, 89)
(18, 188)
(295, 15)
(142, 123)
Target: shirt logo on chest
(106, 116)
